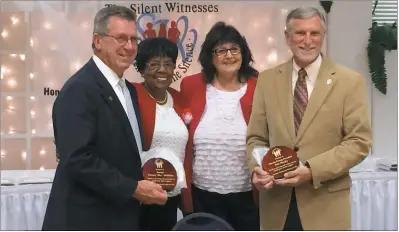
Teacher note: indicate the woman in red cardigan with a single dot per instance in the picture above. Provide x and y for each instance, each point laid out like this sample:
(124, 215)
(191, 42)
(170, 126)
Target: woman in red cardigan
(161, 111)
(220, 100)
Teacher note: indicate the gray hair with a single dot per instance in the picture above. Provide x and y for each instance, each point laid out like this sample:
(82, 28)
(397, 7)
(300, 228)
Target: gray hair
(304, 13)
(101, 19)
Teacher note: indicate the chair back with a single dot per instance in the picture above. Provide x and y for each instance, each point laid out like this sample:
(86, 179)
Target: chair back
(202, 222)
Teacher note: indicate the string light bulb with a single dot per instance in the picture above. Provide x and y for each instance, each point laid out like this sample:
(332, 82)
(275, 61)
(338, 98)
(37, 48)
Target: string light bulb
(45, 63)
(12, 83)
(42, 152)
(272, 57)
(14, 20)
(75, 66)
(5, 70)
(4, 33)
(47, 25)
(84, 25)
(270, 40)
(255, 25)
(53, 47)
(3, 153)
(23, 155)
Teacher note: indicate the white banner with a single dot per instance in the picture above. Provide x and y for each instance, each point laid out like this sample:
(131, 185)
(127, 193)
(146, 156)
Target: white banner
(43, 43)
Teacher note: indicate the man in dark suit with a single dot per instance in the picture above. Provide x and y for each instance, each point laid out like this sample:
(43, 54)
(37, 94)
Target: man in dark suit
(98, 183)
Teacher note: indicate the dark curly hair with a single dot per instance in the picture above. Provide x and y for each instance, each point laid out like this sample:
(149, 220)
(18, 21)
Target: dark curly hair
(153, 47)
(221, 33)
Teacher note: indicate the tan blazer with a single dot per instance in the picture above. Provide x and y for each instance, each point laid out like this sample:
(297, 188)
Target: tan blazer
(334, 136)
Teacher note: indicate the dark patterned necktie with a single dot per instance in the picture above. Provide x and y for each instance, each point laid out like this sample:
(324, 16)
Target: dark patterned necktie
(300, 98)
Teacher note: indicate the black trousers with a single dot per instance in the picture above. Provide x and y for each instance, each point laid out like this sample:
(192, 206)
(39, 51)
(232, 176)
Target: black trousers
(159, 217)
(293, 221)
(238, 209)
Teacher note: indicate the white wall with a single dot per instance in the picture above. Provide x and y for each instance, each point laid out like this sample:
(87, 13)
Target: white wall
(348, 25)
(385, 112)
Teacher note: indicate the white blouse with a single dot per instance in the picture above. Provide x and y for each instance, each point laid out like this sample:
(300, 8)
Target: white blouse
(220, 145)
(169, 131)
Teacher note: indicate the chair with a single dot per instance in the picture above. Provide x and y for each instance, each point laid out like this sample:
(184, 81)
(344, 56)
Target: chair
(202, 222)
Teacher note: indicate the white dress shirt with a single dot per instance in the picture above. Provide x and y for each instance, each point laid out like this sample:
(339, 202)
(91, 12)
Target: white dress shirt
(113, 80)
(312, 70)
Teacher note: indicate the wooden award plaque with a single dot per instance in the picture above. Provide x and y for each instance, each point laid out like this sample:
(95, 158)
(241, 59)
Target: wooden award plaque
(160, 171)
(280, 160)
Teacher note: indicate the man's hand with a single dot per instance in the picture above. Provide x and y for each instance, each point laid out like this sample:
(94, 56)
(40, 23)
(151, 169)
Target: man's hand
(261, 179)
(296, 177)
(150, 193)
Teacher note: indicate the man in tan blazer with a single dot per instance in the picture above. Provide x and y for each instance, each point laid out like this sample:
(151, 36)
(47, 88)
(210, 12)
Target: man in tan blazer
(319, 109)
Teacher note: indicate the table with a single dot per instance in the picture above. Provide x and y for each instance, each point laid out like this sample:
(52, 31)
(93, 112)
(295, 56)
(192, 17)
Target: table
(374, 203)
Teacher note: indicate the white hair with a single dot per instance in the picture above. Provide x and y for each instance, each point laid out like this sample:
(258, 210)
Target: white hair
(304, 13)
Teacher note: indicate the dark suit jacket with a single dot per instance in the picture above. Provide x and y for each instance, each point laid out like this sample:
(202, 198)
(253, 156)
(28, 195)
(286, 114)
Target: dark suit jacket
(193, 91)
(99, 160)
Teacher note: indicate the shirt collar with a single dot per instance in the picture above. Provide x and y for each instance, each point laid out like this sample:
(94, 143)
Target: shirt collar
(110, 75)
(312, 70)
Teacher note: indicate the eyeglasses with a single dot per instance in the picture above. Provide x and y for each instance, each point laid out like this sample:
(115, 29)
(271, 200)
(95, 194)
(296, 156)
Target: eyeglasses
(122, 40)
(223, 52)
(153, 66)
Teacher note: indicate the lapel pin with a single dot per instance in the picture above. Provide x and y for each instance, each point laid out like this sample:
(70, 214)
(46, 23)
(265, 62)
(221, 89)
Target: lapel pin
(110, 98)
(329, 81)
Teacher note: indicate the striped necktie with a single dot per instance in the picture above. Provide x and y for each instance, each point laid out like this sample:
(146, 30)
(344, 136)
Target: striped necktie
(300, 98)
(131, 114)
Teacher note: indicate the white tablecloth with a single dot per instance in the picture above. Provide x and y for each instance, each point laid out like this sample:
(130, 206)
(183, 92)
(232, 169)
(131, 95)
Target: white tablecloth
(374, 203)
(23, 207)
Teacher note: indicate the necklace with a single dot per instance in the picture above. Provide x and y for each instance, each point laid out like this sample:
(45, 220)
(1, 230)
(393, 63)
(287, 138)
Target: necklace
(158, 102)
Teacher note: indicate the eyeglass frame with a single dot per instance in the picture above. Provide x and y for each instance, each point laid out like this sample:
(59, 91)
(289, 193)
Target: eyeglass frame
(226, 50)
(124, 42)
(170, 68)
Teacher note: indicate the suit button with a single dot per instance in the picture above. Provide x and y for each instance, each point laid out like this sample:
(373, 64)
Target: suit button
(296, 149)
